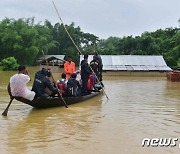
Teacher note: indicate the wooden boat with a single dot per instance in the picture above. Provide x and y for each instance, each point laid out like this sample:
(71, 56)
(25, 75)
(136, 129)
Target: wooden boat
(174, 76)
(56, 101)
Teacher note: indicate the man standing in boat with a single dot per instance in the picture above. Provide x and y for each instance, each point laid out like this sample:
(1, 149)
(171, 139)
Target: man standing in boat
(100, 65)
(85, 72)
(95, 66)
(69, 67)
(17, 85)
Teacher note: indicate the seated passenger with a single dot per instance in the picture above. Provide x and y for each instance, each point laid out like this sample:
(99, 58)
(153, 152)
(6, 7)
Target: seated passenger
(17, 85)
(51, 79)
(41, 82)
(91, 83)
(78, 77)
(73, 86)
(62, 84)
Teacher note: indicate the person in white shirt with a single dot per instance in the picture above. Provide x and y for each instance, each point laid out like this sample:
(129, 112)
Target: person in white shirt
(17, 85)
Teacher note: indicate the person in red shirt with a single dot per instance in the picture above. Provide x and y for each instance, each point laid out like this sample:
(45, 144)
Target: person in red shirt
(91, 83)
(69, 67)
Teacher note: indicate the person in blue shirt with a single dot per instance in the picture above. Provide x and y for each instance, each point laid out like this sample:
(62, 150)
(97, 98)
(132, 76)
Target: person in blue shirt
(85, 72)
(73, 86)
(100, 65)
(41, 82)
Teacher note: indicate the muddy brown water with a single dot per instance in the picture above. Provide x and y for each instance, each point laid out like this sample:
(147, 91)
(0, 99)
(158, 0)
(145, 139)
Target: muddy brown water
(138, 108)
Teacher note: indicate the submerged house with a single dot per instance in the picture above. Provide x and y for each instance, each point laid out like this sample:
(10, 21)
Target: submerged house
(135, 65)
(55, 62)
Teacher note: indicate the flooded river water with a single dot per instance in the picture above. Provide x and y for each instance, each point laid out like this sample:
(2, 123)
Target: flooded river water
(138, 108)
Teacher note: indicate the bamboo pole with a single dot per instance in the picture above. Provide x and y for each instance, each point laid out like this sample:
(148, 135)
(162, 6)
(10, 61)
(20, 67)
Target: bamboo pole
(77, 46)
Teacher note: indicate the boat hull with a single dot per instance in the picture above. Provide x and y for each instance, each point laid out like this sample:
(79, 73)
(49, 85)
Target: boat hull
(56, 101)
(174, 76)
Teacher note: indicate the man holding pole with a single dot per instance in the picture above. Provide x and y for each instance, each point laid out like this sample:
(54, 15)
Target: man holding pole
(100, 65)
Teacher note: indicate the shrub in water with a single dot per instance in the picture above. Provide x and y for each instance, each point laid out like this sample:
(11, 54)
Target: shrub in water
(9, 64)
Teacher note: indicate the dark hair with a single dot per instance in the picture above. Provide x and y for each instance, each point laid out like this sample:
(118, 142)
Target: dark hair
(69, 57)
(85, 56)
(96, 53)
(94, 57)
(63, 75)
(44, 71)
(73, 75)
(21, 68)
(48, 73)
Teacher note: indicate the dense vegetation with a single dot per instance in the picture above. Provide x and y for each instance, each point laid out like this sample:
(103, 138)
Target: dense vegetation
(24, 40)
(161, 42)
(9, 64)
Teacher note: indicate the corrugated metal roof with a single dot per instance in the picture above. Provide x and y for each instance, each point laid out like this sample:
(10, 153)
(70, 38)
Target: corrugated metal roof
(132, 62)
(43, 59)
(56, 56)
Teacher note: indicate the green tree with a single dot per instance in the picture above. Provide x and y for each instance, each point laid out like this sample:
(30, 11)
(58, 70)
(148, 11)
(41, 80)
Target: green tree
(25, 40)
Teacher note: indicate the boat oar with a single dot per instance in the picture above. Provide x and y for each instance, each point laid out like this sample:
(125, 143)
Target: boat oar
(7, 108)
(62, 99)
(59, 93)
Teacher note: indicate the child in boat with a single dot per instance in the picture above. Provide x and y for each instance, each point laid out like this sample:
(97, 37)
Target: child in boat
(62, 84)
(73, 86)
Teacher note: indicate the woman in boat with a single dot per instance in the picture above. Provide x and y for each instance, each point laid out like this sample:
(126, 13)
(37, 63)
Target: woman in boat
(91, 83)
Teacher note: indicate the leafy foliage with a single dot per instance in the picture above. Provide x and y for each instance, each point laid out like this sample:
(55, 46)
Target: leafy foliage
(24, 40)
(9, 64)
(161, 42)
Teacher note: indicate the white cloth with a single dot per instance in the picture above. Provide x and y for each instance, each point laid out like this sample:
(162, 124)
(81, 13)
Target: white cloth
(63, 80)
(18, 86)
(78, 77)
